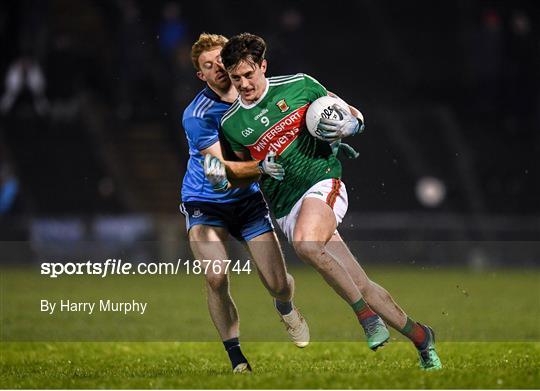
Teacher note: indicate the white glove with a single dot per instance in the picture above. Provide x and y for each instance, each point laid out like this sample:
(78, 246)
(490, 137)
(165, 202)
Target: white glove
(335, 129)
(269, 167)
(215, 172)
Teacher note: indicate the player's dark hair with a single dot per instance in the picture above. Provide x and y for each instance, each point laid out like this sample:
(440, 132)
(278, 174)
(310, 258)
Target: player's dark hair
(243, 47)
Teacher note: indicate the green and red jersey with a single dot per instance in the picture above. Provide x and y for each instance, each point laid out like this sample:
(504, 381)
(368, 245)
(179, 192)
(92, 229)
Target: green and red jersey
(276, 122)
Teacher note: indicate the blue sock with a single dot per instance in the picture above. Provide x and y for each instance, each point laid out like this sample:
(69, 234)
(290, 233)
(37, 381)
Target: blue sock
(283, 307)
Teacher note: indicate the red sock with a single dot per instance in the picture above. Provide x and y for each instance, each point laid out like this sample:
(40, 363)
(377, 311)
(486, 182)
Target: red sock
(415, 332)
(363, 310)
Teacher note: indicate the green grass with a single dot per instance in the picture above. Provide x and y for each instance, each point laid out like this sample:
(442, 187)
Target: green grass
(487, 325)
(276, 365)
(458, 304)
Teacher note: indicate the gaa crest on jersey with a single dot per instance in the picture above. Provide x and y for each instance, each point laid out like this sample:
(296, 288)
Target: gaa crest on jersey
(246, 132)
(282, 105)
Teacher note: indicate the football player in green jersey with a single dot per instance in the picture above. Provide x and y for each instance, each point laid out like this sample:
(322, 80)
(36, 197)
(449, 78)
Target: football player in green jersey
(311, 200)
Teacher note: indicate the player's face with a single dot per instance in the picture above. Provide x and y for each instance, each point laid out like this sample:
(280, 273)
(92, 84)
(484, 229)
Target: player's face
(249, 80)
(212, 70)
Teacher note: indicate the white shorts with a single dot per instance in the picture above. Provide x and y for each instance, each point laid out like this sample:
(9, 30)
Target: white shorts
(331, 191)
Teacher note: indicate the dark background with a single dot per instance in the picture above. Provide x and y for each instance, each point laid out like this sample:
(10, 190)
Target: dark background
(91, 143)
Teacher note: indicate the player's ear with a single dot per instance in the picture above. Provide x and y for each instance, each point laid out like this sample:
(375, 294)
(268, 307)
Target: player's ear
(263, 66)
(201, 76)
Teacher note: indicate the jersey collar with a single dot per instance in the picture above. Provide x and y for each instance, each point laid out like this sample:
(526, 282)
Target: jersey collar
(210, 94)
(252, 105)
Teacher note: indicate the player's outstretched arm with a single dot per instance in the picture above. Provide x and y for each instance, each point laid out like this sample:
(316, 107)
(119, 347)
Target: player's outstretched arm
(247, 170)
(224, 174)
(240, 173)
(267, 166)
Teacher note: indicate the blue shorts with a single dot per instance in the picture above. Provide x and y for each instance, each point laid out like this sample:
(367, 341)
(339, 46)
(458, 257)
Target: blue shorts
(245, 219)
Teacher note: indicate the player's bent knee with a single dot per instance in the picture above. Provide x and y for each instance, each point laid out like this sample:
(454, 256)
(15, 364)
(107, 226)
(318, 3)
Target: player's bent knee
(217, 282)
(198, 233)
(309, 251)
(207, 234)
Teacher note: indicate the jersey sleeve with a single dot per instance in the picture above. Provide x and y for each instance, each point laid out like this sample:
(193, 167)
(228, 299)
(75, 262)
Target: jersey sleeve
(313, 88)
(235, 145)
(202, 132)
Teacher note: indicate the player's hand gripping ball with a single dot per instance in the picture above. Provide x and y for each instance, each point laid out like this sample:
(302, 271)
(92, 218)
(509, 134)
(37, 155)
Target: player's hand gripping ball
(329, 118)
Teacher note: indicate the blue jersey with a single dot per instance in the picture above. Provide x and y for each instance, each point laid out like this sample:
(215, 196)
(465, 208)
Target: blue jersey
(201, 121)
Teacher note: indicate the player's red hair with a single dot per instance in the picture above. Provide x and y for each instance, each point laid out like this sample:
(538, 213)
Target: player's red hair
(205, 43)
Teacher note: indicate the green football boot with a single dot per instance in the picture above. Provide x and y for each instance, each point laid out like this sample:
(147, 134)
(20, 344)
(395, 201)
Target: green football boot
(429, 360)
(376, 332)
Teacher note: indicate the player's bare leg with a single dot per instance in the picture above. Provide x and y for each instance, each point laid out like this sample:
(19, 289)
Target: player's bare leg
(382, 302)
(267, 255)
(377, 297)
(208, 242)
(271, 266)
(315, 226)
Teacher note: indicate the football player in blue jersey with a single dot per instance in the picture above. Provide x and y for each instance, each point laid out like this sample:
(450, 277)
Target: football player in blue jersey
(212, 214)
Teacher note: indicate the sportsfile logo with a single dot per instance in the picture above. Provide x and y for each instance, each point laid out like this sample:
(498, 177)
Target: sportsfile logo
(118, 267)
(279, 136)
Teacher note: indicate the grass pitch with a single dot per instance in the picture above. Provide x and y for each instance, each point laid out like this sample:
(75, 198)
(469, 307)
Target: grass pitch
(339, 365)
(488, 328)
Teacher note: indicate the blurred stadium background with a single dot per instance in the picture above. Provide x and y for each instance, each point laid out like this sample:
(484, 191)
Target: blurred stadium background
(92, 92)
